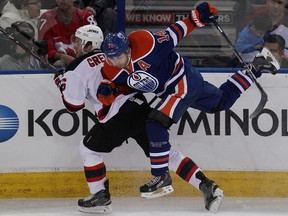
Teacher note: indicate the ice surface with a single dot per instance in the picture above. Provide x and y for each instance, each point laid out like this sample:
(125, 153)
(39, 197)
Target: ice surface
(165, 206)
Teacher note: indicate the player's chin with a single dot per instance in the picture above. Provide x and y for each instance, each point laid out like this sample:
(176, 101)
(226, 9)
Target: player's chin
(121, 66)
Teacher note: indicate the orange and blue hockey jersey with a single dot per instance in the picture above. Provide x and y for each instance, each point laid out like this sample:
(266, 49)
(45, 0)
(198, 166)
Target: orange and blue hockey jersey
(154, 66)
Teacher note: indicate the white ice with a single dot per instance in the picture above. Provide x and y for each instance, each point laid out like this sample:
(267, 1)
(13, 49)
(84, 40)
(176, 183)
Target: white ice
(165, 206)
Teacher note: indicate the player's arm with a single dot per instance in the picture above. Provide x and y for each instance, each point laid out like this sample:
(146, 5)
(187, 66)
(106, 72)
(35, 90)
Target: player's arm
(72, 90)
(164, 41)
(108, 91)
(198, 17)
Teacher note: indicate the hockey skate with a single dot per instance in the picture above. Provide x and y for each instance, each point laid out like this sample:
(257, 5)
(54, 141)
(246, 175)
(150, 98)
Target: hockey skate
(158, 186)
(97, 203)
(213, 195)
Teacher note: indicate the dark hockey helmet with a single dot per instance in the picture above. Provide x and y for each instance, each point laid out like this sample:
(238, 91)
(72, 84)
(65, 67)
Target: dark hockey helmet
(115, 44)
(23, 32)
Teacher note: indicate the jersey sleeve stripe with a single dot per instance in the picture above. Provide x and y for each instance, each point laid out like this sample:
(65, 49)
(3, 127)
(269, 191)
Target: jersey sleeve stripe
(71, 107)
(173, 36)
(242, 81)
(178, 31)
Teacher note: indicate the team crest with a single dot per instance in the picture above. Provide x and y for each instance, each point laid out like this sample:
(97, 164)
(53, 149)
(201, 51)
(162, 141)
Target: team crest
(142, 81)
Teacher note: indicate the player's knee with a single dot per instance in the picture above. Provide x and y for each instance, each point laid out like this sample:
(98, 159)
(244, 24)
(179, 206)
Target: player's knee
(157, 134)
(160, 117)
(89, 157)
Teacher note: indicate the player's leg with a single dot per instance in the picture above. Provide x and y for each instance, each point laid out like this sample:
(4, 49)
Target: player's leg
(104, 138)
(213, 99)
(95, 172)
(159, 147)
(101, 138)
(185, 168)
(189, 171)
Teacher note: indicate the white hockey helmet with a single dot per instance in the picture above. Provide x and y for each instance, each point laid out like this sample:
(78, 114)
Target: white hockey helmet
(90, 33)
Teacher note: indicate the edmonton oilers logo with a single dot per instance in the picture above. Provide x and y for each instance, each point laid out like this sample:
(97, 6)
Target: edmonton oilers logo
(9, 123)
(142, 81)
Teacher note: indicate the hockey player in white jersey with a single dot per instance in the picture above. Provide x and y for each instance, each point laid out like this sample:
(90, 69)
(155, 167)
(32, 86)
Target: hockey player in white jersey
(124, 118)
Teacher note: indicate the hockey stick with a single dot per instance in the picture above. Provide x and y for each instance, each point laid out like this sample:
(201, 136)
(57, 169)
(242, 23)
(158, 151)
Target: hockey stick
(264, 97)
(28, 50)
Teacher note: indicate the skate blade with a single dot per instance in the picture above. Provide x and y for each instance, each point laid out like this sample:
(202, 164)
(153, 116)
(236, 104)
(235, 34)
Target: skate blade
(97, 209)
(164, 191)
(215, 205)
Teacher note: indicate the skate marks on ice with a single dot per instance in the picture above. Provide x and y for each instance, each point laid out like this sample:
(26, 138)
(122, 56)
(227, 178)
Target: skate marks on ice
(165, 206)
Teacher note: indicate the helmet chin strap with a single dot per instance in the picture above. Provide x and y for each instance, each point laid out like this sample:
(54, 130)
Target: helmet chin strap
(83, 47)
(129, 56)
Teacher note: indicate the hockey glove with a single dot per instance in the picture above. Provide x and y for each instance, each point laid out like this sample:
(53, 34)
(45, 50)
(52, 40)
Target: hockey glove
(60, 81)
(264, 62)
(106, 92)
(201, 15)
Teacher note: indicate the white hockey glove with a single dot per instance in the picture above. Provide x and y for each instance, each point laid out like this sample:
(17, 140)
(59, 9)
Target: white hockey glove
(264, 62)
(60, 81)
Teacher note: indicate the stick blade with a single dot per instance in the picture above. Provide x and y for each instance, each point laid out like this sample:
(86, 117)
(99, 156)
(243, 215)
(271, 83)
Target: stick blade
(261, 105)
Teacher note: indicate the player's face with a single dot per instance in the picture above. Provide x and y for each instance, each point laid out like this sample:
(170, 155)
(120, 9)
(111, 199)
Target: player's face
(120, 61)
(78, 47)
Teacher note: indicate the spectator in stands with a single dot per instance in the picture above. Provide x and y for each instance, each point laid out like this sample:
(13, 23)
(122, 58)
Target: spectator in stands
(276, 9)
(2, 4)
(48, 4)
(250, 39)
(15, 58)
(276, 44)
(57, 27)
(22, 10)
(104, 12)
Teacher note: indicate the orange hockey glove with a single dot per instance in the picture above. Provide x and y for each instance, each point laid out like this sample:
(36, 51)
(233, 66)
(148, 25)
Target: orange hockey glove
(201, 15)
(106, 92)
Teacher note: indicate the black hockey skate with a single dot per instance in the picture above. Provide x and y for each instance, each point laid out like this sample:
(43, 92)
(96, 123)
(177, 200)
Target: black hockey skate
(213, 195)
(97, 203)
(158, 186)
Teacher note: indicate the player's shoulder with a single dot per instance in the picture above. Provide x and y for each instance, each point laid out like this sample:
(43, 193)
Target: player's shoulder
(142, 43)
(141, 36)
(109, 72)
(89, 60)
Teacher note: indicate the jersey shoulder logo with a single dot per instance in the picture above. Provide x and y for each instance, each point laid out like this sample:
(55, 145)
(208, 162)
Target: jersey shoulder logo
(142, 81)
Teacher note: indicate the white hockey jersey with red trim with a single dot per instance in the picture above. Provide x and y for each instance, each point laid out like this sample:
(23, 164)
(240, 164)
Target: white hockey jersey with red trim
(83, 76)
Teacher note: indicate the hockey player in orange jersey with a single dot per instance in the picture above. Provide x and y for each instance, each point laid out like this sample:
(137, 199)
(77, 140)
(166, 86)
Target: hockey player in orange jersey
(145, 62)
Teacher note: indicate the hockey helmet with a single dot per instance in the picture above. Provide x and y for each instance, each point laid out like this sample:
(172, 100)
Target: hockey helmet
(90, 33)
(115, 44)
(21, 31)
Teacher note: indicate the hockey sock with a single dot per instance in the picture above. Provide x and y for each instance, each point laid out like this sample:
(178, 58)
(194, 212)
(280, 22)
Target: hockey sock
(184, 167)
(95, 177)
(159, 147)
(94, 168)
